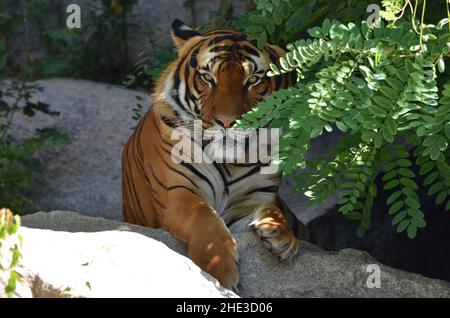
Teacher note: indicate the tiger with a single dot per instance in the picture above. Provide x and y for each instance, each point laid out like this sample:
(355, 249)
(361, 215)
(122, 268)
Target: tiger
(217, 77)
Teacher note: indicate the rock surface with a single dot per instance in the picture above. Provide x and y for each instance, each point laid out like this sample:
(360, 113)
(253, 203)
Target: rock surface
(107, 264)
(313, 273)
(85, 175)
(427, 254)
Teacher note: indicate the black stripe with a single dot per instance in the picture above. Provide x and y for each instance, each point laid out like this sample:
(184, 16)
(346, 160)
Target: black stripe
(175, 170)
(219, 48)
(131, 184)
(268, 189)
(232, 37)
(220, 31)
(181, 187)
(200, 175)
(253, 171)
(240, 217)
(250, 50)
(176, 78)
(222, 175)
(193, 61)
(248, 164)
(170, 122)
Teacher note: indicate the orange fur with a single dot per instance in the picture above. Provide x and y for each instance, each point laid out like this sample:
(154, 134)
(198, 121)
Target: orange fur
(182, 199)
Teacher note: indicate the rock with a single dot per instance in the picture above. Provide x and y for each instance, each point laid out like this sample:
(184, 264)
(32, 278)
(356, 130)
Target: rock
(107, 264)
(426, 254)
(313, 273)
(84, 176)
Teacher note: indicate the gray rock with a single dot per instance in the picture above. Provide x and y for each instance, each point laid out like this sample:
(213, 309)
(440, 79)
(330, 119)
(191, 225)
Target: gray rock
(313, 273)
(85, 175)
(107, 264)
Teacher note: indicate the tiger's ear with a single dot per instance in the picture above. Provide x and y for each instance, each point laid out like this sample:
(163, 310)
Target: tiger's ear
(181, 33)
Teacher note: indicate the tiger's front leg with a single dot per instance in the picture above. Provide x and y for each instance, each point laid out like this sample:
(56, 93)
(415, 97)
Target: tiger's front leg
(272, 228)
(210, 244)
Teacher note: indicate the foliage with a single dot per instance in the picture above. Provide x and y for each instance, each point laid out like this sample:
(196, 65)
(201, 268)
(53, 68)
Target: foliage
(19, 167)
(280, 22)
(9, 226)
(16, 33)
(98, 51)
(155, 58)
(101, 52)
(385, 89)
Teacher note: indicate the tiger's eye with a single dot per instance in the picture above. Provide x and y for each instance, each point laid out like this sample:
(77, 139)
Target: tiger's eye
(253, 79)
(207, 77)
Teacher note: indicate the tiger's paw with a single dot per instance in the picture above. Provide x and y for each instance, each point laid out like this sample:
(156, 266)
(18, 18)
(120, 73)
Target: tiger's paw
(218, 259)
(275, 234)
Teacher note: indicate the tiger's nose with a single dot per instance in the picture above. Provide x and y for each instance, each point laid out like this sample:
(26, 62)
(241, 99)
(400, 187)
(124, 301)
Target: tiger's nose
(225, 122)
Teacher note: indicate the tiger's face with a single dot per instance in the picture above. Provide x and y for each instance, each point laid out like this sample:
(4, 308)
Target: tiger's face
(219, 75)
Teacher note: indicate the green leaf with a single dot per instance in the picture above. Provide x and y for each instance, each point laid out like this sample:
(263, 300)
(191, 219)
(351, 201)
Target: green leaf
(441, 197)
(393, 197)
(419, 222)
(262, 39)
(354, 216)
(391, 184)
(391, 174)
(435, 188)
(430, 140)
(399, 217)
(415, 213)
(413, 203)
(386, 134)
(377, 111)
(402, 226)
(326, 25)
(389, 92)
(275, 69)
(383, 102)
(412, 231)
(396, 207)
(315, 32)
(389, 166)
(431, 178)
(394, 83)
(284, 64)
(258, 19)
(441, 65)
(427, 167)
(392, 125)
(341, 126)
(406, 172)
(409, 183)
(404, 163)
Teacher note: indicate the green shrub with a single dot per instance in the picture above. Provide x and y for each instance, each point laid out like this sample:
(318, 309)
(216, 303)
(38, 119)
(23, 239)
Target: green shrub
(19, 166)
(386, 89)
(9, 225)
(100, 51)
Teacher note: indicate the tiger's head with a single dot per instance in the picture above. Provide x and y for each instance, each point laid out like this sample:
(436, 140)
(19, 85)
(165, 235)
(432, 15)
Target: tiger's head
(218, 76)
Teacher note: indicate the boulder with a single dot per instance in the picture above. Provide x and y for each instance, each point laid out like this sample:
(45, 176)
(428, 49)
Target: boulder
(115, 260)
(107, 264)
